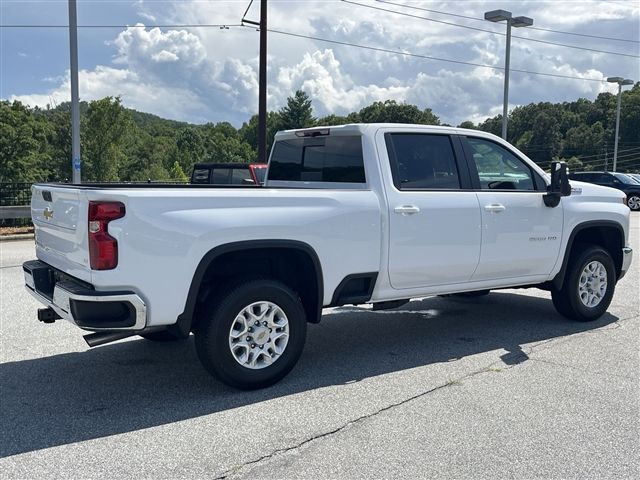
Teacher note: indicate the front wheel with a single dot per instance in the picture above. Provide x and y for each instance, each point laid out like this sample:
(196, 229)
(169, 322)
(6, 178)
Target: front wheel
(588, 285)
(253, 335)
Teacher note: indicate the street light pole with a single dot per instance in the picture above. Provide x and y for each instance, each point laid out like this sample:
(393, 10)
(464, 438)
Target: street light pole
(505, 99)
(620, 81)
(75, 100)
(499, 16)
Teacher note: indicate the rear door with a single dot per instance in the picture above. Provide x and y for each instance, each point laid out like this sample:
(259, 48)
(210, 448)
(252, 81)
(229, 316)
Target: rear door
(520, 235)
(434, 218)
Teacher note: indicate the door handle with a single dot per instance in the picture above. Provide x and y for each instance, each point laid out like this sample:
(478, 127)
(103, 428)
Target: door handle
(407, 209)
(495, 207)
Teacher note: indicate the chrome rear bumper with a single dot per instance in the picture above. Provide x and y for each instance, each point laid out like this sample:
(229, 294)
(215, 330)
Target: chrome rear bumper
(82, 305)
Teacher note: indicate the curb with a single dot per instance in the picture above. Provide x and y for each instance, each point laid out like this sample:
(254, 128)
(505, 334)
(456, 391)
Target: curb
(16, 237)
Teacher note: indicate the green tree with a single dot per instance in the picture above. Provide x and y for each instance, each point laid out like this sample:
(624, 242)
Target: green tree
(468, 124)
(391, 111)
(24, 149)
(190, 148)
(104, 128)
(298, 113)
(249, 131)
(176, 173)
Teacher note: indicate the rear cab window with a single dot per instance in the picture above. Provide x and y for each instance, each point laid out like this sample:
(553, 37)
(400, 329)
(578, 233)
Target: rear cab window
(422, 161)
(317, 162)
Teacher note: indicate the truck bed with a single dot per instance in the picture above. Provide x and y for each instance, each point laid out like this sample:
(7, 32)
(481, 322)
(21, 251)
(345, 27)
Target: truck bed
(127, 185)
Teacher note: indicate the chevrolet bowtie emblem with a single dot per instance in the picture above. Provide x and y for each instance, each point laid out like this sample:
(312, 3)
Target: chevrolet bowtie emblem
(48, 213)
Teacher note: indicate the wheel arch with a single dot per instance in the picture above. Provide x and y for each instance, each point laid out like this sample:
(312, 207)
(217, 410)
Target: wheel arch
(254, 257)
(607, 234)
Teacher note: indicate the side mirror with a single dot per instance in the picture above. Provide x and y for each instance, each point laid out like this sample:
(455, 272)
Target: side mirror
(559, 186)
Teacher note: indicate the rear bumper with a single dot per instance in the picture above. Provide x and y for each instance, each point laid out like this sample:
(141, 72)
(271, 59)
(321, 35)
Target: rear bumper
(80, 303)
(627, 256)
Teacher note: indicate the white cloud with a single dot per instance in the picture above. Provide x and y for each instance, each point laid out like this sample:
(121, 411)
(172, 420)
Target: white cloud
(208, 74)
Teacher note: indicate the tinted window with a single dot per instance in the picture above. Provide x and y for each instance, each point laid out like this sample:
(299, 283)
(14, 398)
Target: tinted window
(626, 179)
(320, 159)
(200, 175)
(422, 161)
(241, 176)
(583, 177)
(605, 179)
(498, 168)
(260, 174)
(220, 175)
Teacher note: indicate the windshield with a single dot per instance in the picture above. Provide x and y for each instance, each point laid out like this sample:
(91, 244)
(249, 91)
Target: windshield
(626, 179)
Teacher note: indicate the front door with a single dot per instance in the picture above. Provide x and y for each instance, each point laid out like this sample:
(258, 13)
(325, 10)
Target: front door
(520, 235)
(434, 217)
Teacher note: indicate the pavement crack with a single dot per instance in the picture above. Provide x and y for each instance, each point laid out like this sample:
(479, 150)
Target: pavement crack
(283, 450)
(574, 367)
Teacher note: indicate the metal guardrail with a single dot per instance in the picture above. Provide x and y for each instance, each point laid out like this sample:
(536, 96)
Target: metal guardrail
(12, 212)
(15, 199)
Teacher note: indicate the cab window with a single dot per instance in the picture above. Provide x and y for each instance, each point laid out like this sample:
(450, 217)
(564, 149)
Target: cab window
(422, 161)
(498, 168)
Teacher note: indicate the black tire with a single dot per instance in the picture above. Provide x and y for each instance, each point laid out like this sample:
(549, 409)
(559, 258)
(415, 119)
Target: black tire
(213, 329)
(634, 202)
(161, 336)
(567, 300)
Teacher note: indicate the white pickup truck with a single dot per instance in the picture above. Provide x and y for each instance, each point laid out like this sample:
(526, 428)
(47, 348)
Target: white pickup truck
(376, 213)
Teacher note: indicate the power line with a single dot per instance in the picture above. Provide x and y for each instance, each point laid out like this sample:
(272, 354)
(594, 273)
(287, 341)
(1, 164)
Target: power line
(427, 57)
(195, 25)
(530, 28)
(320, 39)
(489, 31)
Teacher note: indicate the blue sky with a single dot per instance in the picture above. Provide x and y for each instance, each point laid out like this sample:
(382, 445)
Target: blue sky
(209, 74)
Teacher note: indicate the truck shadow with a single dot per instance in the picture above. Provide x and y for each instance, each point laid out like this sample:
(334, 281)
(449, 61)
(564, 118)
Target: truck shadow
(138, 384)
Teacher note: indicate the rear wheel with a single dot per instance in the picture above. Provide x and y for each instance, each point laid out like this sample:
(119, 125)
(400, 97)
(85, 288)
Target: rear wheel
(588, 286)
(634, 202)
(253, 335)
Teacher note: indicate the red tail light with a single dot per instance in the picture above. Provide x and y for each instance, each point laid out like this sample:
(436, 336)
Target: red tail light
(103, 248)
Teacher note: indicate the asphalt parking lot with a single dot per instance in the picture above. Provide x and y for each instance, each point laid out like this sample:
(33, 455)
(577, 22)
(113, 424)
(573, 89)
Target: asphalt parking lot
(494, 387)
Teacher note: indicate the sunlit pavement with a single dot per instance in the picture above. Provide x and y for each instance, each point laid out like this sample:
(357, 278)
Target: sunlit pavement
(492, 387)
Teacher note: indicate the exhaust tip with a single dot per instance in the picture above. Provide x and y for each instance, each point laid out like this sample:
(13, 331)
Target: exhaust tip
(101, 338)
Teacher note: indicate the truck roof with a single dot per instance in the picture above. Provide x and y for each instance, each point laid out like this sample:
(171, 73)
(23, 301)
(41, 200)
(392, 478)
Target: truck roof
(361, 128)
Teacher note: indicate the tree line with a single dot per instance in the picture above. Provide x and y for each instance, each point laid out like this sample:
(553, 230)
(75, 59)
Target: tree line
(121, 144)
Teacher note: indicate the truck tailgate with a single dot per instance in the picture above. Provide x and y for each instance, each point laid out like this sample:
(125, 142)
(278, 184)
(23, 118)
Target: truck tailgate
(60, 219)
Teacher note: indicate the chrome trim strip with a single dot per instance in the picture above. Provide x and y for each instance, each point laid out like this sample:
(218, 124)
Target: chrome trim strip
(62, 298)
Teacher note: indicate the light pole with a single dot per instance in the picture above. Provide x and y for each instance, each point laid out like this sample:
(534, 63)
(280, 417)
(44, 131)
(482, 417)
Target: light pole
(499, 16)
(620, 81)
(75, 100)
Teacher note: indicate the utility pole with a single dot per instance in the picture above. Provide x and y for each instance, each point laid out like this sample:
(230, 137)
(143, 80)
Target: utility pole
(620, 81)
(262, 80)
(75, 101)
(262, 86)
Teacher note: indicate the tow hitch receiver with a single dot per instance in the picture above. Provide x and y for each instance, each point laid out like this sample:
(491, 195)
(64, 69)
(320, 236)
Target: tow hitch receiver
(48, 315)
